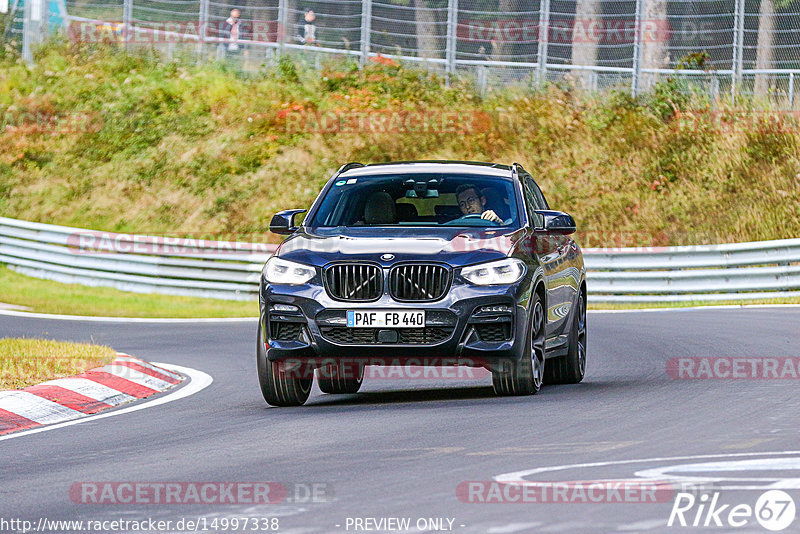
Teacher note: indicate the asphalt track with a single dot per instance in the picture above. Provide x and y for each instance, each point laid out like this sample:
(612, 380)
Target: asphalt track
(401, 447)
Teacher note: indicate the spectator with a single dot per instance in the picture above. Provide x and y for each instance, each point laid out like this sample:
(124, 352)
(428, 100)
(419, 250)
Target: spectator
(230, 33)
(309, 36)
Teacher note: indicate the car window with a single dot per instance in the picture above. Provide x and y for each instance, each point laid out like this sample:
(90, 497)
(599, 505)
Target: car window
(534, 202)
(418, 199)
(541, 202)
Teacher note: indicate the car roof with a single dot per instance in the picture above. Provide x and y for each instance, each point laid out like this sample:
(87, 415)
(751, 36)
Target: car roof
(424, 167)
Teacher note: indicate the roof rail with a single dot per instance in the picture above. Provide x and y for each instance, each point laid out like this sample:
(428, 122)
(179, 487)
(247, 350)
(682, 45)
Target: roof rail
(347, 167)
(439, 161)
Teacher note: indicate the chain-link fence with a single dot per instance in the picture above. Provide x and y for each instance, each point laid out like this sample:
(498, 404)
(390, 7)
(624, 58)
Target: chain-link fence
(726, 47)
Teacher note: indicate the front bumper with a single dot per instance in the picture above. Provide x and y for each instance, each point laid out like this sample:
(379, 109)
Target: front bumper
(455, 329)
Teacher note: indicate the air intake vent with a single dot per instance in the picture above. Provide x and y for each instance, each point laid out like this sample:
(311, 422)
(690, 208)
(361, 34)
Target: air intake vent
(283, 331)
(494, 332)
(419, 282)
(354, 281)
(430, 335)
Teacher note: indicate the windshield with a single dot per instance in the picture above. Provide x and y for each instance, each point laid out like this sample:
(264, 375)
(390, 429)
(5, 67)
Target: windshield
(419, 200)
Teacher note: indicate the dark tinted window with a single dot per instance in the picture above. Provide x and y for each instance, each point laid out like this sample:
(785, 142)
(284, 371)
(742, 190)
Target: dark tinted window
(541, 202)
(534, 201)
(419, 200)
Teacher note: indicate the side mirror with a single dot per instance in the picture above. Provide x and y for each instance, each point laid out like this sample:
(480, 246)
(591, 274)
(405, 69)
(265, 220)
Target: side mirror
(557, 222)
(283, 222)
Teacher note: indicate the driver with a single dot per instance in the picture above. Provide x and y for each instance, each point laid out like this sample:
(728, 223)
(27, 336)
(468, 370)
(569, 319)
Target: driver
(470, 200)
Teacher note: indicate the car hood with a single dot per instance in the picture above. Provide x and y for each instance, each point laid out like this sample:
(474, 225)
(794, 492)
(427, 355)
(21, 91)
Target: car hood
(455, 246)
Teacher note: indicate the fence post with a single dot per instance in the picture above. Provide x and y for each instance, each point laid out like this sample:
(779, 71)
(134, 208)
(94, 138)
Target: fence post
(201, 31)
(127, 21)
(450, 43)
(282, 29)
(791, 90)
(544, 37)
(27, 31)
(637, 50)
(366, 29)
(738, 46)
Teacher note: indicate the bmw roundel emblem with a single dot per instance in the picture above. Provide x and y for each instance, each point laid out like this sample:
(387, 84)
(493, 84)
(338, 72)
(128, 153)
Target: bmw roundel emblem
(387, 257)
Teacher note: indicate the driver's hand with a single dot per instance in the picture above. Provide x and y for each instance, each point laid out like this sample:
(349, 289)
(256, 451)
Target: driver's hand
(490, 215)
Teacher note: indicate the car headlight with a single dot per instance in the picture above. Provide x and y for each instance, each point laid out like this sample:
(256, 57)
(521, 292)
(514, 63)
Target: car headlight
(497, 272)
(278, 271)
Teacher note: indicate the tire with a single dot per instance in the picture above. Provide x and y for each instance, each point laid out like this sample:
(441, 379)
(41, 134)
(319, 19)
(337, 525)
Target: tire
(571, 368)
(525, 376)
(340, 378)
(280, 385)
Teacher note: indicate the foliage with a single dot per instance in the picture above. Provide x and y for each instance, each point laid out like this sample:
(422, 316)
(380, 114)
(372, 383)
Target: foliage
(186, 149)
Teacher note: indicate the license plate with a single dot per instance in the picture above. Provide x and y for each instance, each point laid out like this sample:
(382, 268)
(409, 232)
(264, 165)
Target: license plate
(386, 318)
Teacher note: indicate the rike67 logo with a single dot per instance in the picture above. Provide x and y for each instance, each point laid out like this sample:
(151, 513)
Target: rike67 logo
(774, 510)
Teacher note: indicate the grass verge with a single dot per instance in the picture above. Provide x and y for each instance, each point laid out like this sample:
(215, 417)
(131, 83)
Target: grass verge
(45, 296)
(25, 362)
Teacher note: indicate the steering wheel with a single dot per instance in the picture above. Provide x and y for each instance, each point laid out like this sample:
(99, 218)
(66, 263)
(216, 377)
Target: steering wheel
(476, 216)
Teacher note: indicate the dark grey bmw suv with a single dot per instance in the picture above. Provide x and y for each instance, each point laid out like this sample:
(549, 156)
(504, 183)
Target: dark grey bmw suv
(427, 263)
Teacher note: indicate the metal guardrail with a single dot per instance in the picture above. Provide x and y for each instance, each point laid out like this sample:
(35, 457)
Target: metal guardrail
(735, 271)
(144, 264)
(230, 270)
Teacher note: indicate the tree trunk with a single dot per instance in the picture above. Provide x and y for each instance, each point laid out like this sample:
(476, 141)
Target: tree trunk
(427, 39)
(654, 44)
(585, 39)
(766, 50)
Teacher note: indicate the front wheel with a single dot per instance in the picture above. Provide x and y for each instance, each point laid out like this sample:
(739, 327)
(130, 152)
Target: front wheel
(282, 384)
(524, 376)
(571, 368)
